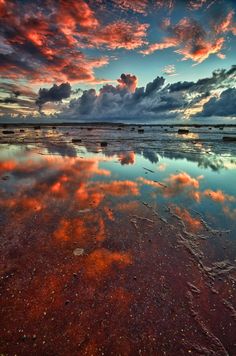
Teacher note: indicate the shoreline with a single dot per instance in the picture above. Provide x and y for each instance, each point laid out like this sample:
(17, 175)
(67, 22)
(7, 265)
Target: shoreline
(117, 124)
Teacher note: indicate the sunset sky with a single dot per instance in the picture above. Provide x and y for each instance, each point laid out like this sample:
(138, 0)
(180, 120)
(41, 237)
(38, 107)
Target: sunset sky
(118, 59)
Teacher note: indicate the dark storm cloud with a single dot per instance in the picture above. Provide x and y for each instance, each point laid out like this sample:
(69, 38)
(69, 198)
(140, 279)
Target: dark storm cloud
(125, 100)
(54, 94)
(85, 103)
(12, 98)
(9, 100)
(16, 94)
(156, 100)
(17, 90)
(181, 86)
(220, 78)
(225, 105)
(155, 85)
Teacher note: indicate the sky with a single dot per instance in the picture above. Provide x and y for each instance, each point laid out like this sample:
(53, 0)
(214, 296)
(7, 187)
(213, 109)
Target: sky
(118, 60)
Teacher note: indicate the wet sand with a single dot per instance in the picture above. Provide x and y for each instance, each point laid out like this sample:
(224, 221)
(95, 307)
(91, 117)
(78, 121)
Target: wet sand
(126, 248)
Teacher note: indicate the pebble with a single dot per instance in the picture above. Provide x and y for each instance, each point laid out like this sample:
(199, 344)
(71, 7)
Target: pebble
(78, 251)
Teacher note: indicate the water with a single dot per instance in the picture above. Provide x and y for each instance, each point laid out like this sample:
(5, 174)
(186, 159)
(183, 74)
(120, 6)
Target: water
(126, 249)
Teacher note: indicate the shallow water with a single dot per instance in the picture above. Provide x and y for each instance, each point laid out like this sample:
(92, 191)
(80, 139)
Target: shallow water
(127, 249)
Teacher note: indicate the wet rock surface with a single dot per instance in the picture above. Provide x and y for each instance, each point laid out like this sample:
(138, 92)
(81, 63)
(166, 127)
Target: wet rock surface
(123, 251)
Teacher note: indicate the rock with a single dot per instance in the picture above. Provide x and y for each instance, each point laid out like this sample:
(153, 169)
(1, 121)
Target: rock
(78, 252)
(75, 140)
(8, 132)
(140, 130)
(5, 177)
(229, 138)
(103, 144)
(183, 132)
(21, 130)
(37, 127)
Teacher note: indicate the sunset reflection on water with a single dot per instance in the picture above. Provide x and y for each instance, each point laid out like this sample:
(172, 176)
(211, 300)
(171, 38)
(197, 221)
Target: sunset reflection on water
(155, 272)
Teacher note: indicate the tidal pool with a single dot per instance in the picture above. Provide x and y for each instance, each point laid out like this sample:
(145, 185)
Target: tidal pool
(125, 249)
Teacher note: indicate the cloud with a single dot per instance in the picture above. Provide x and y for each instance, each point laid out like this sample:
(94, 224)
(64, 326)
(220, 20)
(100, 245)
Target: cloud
(120, 34)
(11, 99)
(16, 98)
(54, 94)
(169, 42)
(12, 89)
(124, 100)
(127, 101)
(48, 43)
(201, 50)
(169, 4)
(139, 6)
(128, 81)
(197, 4)
(144, 6)
(224, 105)
(169, 70)
(220, 78)
(192, 39)
(154, 86)
(225, 23)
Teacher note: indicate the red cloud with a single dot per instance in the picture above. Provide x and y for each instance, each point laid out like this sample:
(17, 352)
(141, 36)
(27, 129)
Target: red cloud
(203, 50)
(197, 4)
(225, 24)
(71, 13)
(120, 34)
(139, 6)
(128, 81)
(50, 39)
(169, 42)
(192, 40)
